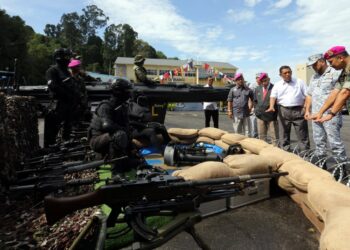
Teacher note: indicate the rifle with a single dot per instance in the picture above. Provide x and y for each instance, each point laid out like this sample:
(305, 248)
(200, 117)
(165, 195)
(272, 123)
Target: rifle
(154, 196)
(55, 183)
(48, 175)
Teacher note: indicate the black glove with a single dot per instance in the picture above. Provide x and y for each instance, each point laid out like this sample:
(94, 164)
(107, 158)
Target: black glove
(120, 140)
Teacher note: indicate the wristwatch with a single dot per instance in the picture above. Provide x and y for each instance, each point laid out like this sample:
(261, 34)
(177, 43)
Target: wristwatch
(333, 114)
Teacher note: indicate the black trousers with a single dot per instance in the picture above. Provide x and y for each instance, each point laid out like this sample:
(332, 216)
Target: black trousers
(215, 116)
(288, 116)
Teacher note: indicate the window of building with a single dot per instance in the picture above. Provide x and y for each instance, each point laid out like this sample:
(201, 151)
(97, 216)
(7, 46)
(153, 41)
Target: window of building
(151, 72)
(190, 74)
(230, 75)
(163, 71)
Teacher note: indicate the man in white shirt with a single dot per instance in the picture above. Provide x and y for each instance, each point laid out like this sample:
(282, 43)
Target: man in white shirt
(290, 93)
(211, 108)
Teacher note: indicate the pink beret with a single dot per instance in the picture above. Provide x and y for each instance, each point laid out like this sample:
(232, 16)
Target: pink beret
(237, 75)
(262, 76)
(74, 63)
(336, 50)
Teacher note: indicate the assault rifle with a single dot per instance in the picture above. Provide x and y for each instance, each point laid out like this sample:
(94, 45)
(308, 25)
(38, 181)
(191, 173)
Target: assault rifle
(48, 176)
(160, 195)
(53, 184)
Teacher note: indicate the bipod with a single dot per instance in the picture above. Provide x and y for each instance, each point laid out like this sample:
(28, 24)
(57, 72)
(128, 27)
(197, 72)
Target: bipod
(182, 222)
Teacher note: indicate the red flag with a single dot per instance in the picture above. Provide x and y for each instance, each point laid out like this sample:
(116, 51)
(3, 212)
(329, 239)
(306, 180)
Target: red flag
(206, 66)
(166, 75)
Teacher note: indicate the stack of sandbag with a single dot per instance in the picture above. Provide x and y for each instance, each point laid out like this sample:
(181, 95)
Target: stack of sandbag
(182, 135)
(22, 127)
(211, 135)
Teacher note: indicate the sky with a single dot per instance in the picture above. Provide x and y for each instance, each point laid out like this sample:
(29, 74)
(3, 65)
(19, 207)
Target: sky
(253, 35)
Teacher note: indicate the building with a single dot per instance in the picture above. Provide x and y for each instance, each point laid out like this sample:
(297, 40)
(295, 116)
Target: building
(158, 67)
(304, 73)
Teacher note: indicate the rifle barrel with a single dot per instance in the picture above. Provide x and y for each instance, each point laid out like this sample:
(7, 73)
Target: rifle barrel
(239, 178)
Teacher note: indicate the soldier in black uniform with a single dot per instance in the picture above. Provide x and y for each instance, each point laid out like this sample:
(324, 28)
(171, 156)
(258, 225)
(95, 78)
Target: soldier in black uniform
(141, 123)
(109, 131)
(65, 98)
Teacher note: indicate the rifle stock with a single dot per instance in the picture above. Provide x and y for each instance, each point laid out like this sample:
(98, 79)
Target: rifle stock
(157, 189)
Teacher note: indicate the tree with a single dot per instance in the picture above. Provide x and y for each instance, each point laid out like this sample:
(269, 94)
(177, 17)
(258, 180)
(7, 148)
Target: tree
(161, 55)
(53, 31)
(92, 19)
(40, 57)
(14, 34)
(71, 33)
(143, 48)
(126, 40)
(109, 53)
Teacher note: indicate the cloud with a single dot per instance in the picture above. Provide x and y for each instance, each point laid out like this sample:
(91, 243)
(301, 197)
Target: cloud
(282, 4)
(229, 37)
(164, 25)
(241, 16)
(321, 24)
(251, 3)
(214, 32)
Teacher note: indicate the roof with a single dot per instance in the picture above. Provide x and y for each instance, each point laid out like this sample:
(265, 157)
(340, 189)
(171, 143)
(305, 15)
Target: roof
(172, 62)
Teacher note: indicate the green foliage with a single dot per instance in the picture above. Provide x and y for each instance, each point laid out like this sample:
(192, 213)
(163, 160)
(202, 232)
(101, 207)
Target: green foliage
(78, 32)
(14, 35)
(40, 49)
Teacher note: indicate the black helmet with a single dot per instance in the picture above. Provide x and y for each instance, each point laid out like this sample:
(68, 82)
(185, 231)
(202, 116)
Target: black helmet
(62, 54)
(120, 84)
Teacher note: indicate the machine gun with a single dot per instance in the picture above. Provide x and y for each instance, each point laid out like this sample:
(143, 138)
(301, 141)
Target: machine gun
(177, 154)
(160, 195)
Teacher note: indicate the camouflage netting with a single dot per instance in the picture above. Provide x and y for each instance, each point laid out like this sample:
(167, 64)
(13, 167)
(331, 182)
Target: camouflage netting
(5, 171)
(18, 133)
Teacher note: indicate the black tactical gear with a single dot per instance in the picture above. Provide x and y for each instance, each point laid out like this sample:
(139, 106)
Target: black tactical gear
(109, 133)
(65, 99)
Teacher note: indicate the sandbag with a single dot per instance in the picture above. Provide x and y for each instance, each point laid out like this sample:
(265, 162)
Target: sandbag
(213, 133)
(221, 144)
(183, 133)
(326, 194)
(254, 145)
(247, 164)
(205, 139)
(205, 170)
(286, 185)
(278, 156)
(231, 138)
(183, 140)
(301, 172)
(336, 233)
